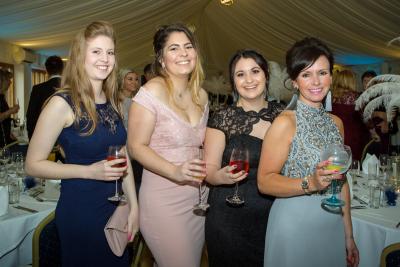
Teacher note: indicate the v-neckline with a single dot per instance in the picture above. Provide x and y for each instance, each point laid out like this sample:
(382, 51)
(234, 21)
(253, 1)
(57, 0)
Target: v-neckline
(175, 114)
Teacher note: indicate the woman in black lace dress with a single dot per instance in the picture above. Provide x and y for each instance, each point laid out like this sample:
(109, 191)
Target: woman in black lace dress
(235, 235)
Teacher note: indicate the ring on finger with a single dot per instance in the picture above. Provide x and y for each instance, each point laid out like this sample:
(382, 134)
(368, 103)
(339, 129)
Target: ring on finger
(326, 179)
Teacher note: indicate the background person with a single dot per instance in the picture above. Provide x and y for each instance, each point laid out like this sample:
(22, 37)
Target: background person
(344, 96)
(85, 117)
(42, 91)
(6, 136)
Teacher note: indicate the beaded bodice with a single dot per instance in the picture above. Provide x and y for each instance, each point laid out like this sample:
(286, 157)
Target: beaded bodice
(314, 129)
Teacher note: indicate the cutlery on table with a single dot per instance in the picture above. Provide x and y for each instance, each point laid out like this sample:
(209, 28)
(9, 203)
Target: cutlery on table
(25, 209)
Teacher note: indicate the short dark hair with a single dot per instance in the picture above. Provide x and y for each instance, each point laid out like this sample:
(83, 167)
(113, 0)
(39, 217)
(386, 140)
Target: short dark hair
(247, 53)
(304, 53)
(54, 65)
(368, 73)
(148, 68)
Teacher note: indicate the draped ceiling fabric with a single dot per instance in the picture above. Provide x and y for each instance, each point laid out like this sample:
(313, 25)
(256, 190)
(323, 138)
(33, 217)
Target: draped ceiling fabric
(352, 28)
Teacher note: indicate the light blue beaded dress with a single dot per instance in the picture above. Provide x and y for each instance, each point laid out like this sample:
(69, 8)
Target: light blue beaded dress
(300, 232)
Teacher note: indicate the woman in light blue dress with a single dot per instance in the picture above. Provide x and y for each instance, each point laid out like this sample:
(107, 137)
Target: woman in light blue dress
(300, 232)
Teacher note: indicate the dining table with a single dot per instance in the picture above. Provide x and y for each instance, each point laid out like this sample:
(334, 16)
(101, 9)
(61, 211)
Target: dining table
(373, 228)
(17, 227)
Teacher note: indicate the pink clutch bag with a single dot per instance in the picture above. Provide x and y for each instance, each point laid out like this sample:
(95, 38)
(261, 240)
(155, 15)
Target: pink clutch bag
(116, 229)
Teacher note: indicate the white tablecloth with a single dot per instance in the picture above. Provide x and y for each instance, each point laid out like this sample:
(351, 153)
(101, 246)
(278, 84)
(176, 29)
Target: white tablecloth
(374, 229)
(16, 231)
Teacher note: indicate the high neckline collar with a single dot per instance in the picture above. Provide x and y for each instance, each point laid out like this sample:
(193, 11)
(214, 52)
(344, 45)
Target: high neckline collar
(303, 106)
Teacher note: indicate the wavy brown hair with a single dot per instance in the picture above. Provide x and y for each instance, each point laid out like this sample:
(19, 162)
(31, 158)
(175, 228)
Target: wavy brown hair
(75, 80)
(196, 77)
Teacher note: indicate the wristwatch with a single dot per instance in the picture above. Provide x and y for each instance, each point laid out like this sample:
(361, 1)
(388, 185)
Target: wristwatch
(305, 184)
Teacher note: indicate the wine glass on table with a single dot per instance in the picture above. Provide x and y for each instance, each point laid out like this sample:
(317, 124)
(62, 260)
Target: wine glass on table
(201, 206)
(340, 159)
(240, 159)
(116, 152)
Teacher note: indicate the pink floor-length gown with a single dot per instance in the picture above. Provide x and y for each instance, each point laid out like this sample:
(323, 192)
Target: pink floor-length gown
(174, 234)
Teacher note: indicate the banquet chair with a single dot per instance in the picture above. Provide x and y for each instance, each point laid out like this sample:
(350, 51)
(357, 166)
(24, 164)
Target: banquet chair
(390, 256)
(46, 244)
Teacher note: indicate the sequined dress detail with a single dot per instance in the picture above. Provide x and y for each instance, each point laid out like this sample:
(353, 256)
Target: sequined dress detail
(300, 233)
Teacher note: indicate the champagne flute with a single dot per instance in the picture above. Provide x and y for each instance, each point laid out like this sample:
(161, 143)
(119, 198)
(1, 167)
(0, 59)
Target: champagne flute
(340, 159)
(201, 206)
(240, 158)
(116, 152)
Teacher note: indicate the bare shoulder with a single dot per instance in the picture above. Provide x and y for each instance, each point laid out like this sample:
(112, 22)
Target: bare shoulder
(157, 88)
(336, 119)
(338, 122)
(284, 124)
(58, 105)
(203, 97)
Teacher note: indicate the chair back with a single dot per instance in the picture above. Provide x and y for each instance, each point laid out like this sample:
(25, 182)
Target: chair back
(46, 250)
(391, 256)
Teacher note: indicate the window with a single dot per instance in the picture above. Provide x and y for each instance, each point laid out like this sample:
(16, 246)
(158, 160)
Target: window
(38, 76)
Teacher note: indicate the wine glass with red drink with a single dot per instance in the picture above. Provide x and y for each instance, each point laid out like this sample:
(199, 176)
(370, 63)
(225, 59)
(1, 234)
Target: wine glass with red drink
(116, 152)
(240, 159)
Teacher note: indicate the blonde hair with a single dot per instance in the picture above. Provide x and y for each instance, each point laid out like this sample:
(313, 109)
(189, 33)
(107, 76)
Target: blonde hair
(75, 80)
(343, 82)
(196, 78)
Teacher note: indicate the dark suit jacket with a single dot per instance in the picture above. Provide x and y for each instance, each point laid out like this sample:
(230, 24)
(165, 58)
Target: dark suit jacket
(39, 95)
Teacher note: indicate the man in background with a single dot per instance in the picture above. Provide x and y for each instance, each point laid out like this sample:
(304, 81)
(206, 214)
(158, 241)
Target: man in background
(366, 77)
(148, 74)
(40, 92)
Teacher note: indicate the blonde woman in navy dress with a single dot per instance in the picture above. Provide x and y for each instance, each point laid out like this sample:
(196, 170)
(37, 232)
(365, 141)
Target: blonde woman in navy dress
(85, 118)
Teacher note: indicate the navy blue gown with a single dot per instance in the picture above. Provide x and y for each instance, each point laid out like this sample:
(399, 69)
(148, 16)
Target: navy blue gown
(83, 209)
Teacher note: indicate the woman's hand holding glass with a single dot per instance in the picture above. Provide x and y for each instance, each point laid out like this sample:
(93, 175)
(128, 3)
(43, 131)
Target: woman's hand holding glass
(323, 176)
(191, 171)
(106, 170)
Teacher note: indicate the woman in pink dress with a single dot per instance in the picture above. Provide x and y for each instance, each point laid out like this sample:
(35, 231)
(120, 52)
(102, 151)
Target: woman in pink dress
(167, 123)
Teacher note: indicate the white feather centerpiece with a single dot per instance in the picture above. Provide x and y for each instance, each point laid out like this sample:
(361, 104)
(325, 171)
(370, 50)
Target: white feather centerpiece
(217, 85)
(277, 87)
(386, 93)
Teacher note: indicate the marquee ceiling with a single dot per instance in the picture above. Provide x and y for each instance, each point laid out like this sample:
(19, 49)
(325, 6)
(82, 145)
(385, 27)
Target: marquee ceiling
(358, 31)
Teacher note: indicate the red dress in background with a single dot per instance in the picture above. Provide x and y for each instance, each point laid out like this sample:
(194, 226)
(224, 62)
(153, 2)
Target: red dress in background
(356, 133)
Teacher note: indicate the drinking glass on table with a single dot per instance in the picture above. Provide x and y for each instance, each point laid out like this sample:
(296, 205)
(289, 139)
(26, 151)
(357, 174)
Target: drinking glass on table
(239, 158)
(201, 206)
(116, 152)
(383, 163)
(354, 170)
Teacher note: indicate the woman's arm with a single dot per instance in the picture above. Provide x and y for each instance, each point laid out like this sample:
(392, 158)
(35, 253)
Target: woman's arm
(141, 125)
(55, 116)
(214, 146)
(128, 186)
(351, 248)
(274, 153)
(6, 114)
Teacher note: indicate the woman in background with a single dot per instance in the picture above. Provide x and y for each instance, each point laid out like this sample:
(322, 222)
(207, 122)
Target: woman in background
(5, 111)
(300, 232)
(128, 86)
(167, 124)
(344, 95)
(85, 117)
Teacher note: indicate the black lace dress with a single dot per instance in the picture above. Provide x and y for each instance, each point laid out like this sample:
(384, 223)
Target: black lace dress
(235, 236)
